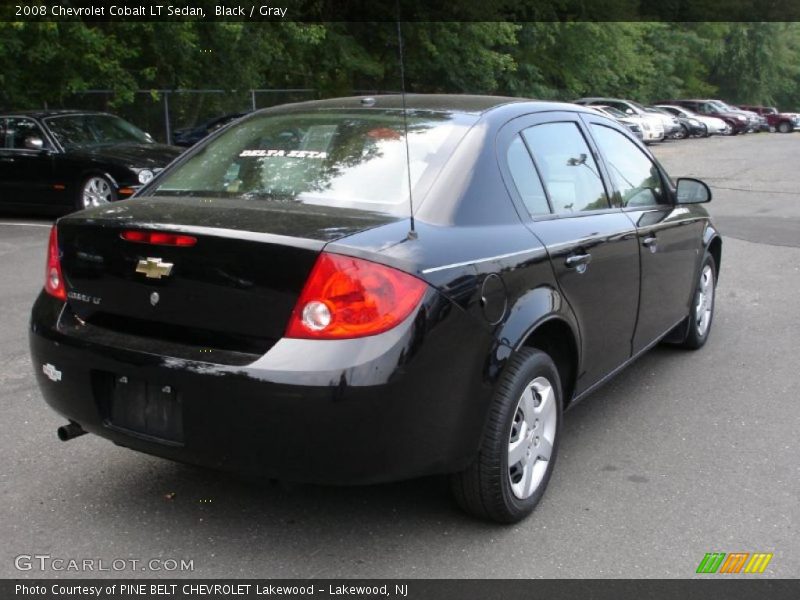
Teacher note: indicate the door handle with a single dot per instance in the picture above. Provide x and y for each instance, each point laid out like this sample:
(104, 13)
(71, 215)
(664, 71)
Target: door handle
(6, 159)
(578, 262)
(650, 242)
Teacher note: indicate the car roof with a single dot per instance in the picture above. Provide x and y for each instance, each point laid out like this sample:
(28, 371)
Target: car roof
(454, 103)
(606, 99)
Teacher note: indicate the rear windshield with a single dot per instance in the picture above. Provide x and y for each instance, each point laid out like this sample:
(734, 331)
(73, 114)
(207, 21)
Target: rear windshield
(354, 160)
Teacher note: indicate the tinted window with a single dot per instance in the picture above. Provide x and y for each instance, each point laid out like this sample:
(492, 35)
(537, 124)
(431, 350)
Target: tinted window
(567, 167)
(526, 179)
(20, 129)
(325, 158)
(635, 176)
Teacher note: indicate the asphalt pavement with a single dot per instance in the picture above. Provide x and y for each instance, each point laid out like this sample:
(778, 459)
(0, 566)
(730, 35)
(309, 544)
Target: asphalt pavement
(684, 453)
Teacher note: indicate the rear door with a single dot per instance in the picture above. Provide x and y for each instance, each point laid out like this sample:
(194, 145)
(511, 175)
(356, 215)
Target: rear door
(670, 236)
(592, 244)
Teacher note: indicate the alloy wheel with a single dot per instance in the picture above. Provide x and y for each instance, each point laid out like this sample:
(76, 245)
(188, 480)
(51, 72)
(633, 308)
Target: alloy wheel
(96, 191)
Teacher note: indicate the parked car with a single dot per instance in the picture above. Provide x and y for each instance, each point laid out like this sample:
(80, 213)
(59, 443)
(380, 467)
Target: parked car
(189, 136)
(672, 127)
(713, 125)
(269, 304)
(755, 121)
(655, 130)
(686, 127)
(777, 121)
(58, 161)
(634, 123)
(737, 121)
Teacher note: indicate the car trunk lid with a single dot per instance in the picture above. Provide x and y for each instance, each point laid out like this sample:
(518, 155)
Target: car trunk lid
(233, 289)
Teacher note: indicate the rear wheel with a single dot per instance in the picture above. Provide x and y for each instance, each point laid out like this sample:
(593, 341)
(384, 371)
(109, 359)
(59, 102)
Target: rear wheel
(95, 191)
(784, 127)
(509, 476)
(702, 313)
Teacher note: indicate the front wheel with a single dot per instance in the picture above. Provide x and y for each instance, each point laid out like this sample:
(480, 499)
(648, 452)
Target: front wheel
(508, 477)
(784, 127)
(682, 133)
(96, 190)
(702, 313)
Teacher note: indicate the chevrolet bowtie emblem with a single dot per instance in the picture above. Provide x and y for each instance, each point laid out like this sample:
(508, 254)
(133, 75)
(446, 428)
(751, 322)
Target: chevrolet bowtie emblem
(154, 268)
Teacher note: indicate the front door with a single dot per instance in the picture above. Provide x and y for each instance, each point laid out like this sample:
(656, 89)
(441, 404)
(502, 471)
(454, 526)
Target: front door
(670, 237)
(26, 174)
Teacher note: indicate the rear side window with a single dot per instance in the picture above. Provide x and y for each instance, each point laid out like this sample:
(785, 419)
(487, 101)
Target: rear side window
(526, 179)
(635, 176)
(567, 167)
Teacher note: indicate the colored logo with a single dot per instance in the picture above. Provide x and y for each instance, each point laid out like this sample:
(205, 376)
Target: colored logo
(734, 562)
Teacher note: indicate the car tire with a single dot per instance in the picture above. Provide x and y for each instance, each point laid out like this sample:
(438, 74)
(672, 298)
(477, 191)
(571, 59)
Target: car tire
(682, 133)
(95, 190)
(702, 313)
(784, 127)
(524, 422)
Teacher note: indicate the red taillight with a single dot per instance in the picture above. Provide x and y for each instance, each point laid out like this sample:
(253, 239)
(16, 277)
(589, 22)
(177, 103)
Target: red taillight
(159, 238)
(53, 279)
(348, 297)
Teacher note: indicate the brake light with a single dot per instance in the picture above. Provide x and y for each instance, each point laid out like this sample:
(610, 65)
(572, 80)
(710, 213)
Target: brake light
(348, 297)
(158, 238)
(54, 280)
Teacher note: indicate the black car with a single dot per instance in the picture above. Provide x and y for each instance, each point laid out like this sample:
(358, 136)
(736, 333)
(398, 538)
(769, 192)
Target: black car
(268, 304)
(189, 136)
(58, 161)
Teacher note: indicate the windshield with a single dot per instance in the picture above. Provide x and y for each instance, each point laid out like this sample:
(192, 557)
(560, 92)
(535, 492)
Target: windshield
(614, 112)
(73, 131)
(721, 106)
(328, 158)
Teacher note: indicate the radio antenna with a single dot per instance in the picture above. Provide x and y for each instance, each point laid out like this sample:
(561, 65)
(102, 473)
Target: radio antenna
(412, 234)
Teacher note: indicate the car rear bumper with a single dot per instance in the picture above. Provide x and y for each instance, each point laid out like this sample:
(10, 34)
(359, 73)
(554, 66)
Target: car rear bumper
(402, 404)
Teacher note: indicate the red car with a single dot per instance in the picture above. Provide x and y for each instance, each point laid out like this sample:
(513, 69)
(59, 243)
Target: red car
(777, 121)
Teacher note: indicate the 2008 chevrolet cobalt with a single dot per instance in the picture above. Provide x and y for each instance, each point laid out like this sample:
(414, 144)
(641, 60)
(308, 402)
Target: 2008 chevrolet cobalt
(268, 304)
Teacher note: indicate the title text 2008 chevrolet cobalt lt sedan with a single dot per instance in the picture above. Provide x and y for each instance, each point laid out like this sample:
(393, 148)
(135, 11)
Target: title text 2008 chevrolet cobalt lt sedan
(266, 303)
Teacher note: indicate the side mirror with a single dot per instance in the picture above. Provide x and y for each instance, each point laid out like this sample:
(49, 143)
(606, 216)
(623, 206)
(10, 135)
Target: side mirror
(628, 111)
(692, 191)
(34, 143)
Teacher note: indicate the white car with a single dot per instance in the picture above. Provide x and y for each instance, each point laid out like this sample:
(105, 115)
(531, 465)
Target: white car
(715, 126)
(633, 122)
(652, 127)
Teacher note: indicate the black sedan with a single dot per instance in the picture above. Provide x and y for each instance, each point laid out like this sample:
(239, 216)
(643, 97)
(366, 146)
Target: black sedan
(268, 304)
(61, 161)
(189, 136)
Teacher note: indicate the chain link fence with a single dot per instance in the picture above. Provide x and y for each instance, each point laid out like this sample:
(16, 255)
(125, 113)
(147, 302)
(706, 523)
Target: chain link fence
(161, 112)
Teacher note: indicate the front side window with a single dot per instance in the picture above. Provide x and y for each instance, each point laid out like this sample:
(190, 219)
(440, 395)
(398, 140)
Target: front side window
(18, 130)
(567, 167)
(635, 176)
(326, 158)
(526, 179)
